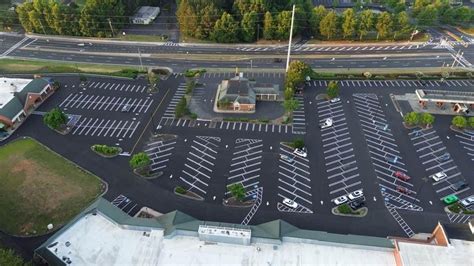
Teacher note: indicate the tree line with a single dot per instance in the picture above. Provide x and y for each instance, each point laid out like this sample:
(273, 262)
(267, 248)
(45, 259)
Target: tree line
(429, 12)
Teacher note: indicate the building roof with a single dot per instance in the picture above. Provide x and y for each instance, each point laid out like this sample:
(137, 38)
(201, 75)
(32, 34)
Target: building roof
(35, 86)
(466, 97)
(147, 12)
(103, 234)
(9, 87)
(12, 108)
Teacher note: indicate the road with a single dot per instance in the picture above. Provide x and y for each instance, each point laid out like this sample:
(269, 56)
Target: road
(184, 56)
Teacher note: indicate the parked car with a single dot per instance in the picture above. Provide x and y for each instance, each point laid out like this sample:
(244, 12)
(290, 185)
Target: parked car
(356, 194)
(286, 158)
(450, 199)
(438, 176)
(391, 159)
(467, 201)
(335, 100)
(357, 203)
(126, 108)
(327, 123)
(444, 157)
(403, 190)
(290, 203)
(341, 200)
(401, 175)
(459, 185)
(301, 152)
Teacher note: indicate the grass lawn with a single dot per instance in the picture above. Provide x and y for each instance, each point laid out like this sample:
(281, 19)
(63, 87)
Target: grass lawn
(143, 38)
(13, 66)
(39, 187)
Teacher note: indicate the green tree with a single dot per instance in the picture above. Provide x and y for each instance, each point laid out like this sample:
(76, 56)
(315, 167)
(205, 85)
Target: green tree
(290, 105)
(268, 27)
(470, 122)
(226, 29)
(153, 79)
(459, 122)
(332, 89)
(237, 190)
(411, 118)
(283, 25)
(384, 25)
(419, 5)
(328, 25)
(23, 11)
(297, 73)
(427, 16)
(97, 16)
(187, 18)
(349, 22)
(365, 23)
(8, 257)
(139, 160)
(448, 16)
(248, 26)
(55, 118)
(402, 25)
(298, 143)
(317, 14)
(181, 108)
(426, 119)
(464, 15)
(208, 16)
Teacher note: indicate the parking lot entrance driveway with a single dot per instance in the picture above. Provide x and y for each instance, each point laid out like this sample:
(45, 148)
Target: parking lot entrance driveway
(245, 167)
(160, 153)
(466, 139)
(294, 181)
(386, 158)
(429, 148)
(340, 162)
(199, 164)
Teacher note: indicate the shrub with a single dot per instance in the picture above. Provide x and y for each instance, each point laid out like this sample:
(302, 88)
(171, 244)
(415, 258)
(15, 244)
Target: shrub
(194, 116)
(106, 150)
(426, 119)
(237, 190)
(9, 257)
(128, 73)
(332, 89)
(191, 73)
(367, 75)
(298, 143)
(181, 108)
(139, 160)
(55, 118)
(190, 87)
(411, 118)
(470, 122)
(264, 121)
(459, 122)
(180, 190)
(344, 209)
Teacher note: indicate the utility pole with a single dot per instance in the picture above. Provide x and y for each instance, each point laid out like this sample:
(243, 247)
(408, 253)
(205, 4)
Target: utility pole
(291, 38)
(140, 57)
(41, 23)
(258, 31)
(111, 28)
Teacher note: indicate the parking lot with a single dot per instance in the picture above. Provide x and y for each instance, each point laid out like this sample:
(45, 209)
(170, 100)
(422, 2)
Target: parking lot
(341, 165)
(435, 158)
(159, 152)
(245, 167)
(126, 205)
(294, 181)
(466, 139)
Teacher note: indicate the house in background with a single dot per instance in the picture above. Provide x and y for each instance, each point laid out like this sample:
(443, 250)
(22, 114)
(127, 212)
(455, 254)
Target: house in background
(240, 95)
(145, 15)
(19, 97)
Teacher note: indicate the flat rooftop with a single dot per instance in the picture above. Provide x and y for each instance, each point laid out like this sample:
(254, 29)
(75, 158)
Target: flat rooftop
(147, 12)
(97, 240)
(8, 86)
(466, 97)
(457, 253)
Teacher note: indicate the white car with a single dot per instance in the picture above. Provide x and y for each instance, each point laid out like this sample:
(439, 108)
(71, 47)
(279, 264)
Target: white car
(340, 200)
(356, 194)
(301, 152)
(335, 100)
(438, 176)
(290, 203)
(327, 123)
(467, 201)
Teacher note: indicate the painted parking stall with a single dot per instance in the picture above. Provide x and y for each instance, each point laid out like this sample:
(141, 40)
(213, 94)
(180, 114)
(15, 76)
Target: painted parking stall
(160, 152)
(200, 163)
(294, 181)
(106, 128)
(386, 158)
(466, 139)
(431, 151)
(116, 86)
(105, 103)
(246, 163)
(169, 115)
(340, 162)
(398, 83)
(126, 205)
(299, 117)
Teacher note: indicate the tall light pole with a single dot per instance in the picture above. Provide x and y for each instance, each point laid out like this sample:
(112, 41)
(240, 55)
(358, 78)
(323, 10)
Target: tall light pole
(291, 37)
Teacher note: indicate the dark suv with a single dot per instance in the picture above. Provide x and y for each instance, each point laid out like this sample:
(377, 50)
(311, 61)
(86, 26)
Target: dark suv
(459, 185)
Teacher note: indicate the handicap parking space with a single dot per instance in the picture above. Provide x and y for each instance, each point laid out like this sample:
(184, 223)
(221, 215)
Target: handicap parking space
(294, 181)
(126, 205)
(435, 158)
(200, 162)
(77, 101)
(160, 152)
(466, 139)
(245, 166)
(340, 162)
(101, 127)
(299, 117)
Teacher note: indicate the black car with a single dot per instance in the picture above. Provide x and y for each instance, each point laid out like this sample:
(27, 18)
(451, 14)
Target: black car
(357, 203)
(459, 185)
